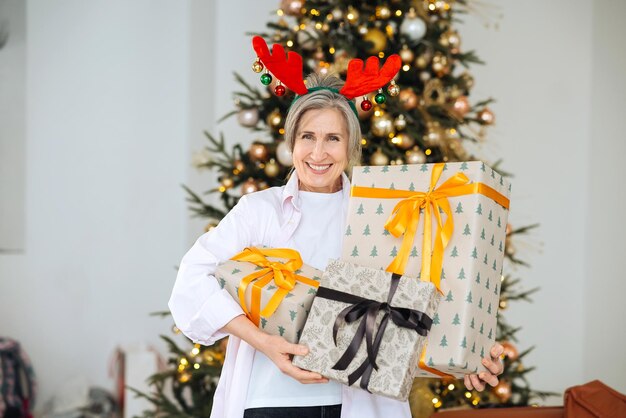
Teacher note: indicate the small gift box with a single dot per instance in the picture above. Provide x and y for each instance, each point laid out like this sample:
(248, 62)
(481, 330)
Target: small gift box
(368, 326)
(273, 286)
(445, 223)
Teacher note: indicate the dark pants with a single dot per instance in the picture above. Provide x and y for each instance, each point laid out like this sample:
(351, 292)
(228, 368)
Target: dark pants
(329, 411)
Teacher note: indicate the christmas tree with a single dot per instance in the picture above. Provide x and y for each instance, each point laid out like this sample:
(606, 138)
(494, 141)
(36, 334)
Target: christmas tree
(425, 116)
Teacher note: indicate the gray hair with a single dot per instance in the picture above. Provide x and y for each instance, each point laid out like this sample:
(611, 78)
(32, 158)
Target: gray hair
(325, 99)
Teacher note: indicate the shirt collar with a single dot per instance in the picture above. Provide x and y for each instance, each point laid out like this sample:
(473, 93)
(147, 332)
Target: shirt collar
(290, 192)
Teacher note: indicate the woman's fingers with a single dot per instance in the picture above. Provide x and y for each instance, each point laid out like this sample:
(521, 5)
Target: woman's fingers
(493, 366)
(468, 382)
(476, 382)
(489, 378)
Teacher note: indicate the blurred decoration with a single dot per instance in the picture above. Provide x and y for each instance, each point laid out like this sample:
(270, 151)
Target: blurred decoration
(186, 388)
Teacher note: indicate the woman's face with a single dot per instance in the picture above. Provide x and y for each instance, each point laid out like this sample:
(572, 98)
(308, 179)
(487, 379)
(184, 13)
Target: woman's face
(320, 151)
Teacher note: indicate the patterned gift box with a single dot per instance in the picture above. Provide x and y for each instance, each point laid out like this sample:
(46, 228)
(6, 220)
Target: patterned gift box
(274, 288)
(354, 301)
(467, 213)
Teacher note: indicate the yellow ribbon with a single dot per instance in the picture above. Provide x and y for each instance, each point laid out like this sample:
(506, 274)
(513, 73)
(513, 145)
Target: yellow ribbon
(283, 274)
(406, 215)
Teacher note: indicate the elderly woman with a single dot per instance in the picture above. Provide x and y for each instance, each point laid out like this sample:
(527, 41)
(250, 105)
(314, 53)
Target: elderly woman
(307, 214)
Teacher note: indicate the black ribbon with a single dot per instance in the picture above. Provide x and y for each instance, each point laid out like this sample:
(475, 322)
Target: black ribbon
(367, 310)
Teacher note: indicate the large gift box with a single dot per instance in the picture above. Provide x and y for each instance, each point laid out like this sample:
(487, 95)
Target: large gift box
(443, 223)
(273, 286)
(368, 326)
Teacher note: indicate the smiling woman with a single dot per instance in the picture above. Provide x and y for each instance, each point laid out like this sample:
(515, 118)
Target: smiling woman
(307, 215)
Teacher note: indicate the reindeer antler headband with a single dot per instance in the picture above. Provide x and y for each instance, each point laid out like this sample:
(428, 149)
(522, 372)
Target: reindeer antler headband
(287, 68)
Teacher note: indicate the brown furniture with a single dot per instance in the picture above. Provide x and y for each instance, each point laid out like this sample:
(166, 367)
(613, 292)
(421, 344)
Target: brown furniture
(591, 400)
(521, 412)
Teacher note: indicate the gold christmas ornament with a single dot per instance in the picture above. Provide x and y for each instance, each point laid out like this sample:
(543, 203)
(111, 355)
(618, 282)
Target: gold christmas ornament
(249, 186)
(425, 76)
(451, 39)
(467, 80)
(486, 116)
(272, 169)
(408, 99)
(454, 91)
(433, 134)
(257, 67)
(378, 40)
(502, 390)
(352, 15)
(292, 7)
(227, 182)
(440, 64)
(381, 124)
(503, 304)
(399, 123)
(393, 89)
(362, 29)
(510, 351)
(403, 141)
(434, 93)
(423, 60)
(336, 14)
(238, 166)
(379, 158)
(383, 12)
(406, 55)
(275, 119)
(461, 106)
(415, 156)
(258, 152)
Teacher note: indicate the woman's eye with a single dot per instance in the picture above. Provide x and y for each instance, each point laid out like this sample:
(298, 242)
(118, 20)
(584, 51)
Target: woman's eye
(334, 138)
(307, 136)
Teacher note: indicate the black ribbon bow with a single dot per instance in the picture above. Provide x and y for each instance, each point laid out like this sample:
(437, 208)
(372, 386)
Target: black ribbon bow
(367, 310)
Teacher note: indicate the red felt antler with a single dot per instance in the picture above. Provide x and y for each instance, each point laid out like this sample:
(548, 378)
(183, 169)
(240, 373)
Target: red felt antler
(287, 68)
(360, 81)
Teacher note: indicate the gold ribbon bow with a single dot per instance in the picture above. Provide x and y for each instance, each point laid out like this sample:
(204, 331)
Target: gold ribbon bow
(406, 215)
(283, 274)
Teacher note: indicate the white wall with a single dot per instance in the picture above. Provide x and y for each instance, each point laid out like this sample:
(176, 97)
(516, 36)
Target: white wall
(118, 93)
(604, 334)
(107, 122)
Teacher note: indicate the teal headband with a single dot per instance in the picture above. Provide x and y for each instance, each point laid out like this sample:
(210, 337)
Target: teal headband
(350, 102)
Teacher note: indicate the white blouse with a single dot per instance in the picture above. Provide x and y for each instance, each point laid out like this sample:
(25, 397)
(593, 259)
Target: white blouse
(200, 308)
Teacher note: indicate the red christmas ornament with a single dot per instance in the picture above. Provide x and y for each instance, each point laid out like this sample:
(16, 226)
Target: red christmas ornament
(280, 90)
(366, 105)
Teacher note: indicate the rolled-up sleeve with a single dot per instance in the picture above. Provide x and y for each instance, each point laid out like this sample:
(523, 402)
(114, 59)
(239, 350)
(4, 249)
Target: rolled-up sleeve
(200, 307)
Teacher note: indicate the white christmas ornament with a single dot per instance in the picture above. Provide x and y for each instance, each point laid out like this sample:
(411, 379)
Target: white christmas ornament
(248, 117)
(413, 28)
(283, 155)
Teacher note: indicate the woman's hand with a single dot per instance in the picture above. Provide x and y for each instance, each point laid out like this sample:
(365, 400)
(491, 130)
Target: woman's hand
(280, 352)
(274, 347)
(494, 368)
